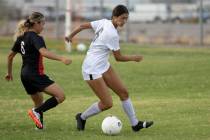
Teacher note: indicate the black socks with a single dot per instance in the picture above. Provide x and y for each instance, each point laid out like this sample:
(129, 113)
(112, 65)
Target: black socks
(50, 103)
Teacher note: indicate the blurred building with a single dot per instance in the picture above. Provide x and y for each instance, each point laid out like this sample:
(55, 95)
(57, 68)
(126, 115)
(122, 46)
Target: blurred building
(141, 10)
(87, 9)
(150, 21)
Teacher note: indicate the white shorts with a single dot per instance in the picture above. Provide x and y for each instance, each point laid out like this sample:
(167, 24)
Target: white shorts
(87, 76)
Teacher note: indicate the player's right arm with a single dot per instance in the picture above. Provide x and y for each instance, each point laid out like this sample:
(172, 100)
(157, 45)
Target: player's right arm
(77, 30)
(50, 55)
(10, 57)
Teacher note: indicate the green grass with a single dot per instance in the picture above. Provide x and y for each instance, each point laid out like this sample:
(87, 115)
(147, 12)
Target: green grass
(171, 86)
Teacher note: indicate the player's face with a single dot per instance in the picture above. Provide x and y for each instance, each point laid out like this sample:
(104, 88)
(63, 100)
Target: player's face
(121, 20)
(39, 26)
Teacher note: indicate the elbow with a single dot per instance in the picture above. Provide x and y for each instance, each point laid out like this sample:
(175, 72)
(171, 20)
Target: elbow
(43, 51)
(10, 57)
(83, 26)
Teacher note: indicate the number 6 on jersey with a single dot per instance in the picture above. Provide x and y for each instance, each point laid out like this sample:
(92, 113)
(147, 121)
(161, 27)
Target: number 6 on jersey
(22, 47)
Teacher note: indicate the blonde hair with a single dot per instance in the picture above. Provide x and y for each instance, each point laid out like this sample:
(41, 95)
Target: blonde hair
(24, 25)
(34, 17)
(20, 29)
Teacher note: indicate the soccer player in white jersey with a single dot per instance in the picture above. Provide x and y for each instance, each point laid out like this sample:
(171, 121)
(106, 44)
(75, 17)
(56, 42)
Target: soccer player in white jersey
(99, 74)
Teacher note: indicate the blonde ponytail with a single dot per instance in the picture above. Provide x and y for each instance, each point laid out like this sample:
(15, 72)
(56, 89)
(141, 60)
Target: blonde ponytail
(20, 30)
(25, 25)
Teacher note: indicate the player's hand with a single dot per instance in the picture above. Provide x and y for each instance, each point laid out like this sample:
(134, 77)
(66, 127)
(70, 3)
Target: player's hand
(138, 58)
(68, 39)
(8, 77)
(66, 61)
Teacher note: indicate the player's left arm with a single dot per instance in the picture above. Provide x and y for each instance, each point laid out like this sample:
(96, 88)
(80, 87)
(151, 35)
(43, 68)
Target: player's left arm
(124, 58)
(10, 57)
(77, 30)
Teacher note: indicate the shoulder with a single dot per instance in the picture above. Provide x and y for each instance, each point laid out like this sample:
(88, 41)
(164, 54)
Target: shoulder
(40, 37)
(101, 20)
(35, 36)
(98, 22)
(19, 38)
(112, 31)
(104, 20)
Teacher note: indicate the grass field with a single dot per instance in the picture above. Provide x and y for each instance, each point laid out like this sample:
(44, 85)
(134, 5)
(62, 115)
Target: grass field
(171, 87)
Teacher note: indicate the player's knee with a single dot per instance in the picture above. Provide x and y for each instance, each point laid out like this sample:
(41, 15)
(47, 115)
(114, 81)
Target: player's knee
(61, 97)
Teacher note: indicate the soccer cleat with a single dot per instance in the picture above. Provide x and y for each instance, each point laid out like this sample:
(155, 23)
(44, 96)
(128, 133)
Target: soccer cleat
(41, 120)
(35, 116)
(80, 122)
(142, 125)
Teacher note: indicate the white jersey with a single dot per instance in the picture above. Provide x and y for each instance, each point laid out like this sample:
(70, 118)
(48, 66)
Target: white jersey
(106, 40)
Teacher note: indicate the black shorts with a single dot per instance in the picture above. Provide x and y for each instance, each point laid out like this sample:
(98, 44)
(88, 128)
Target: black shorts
(35, 83)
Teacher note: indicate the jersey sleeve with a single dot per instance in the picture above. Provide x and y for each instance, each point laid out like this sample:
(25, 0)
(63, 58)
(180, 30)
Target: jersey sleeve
(96, 23)
(113, 44)
(38, 42)
(16, 46)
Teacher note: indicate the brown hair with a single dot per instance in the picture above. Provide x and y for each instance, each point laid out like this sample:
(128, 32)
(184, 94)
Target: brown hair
(119, 10)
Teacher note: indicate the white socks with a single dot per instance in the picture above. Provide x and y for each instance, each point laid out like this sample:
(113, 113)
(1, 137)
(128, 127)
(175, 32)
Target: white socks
(91, 111)
(129, 110)
(127, 106)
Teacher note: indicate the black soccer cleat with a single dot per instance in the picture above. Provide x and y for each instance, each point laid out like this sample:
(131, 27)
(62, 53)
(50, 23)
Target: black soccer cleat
(80, 122)
(142, 125)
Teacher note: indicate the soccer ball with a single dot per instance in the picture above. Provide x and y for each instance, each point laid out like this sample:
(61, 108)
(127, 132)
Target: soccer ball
(81, 47)
(111, 125)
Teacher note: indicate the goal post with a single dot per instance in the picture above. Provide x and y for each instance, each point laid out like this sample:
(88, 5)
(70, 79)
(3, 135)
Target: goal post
(68, 20)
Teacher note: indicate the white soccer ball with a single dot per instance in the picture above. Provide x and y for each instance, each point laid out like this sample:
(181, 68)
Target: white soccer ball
(81, 47)
(111, 125)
